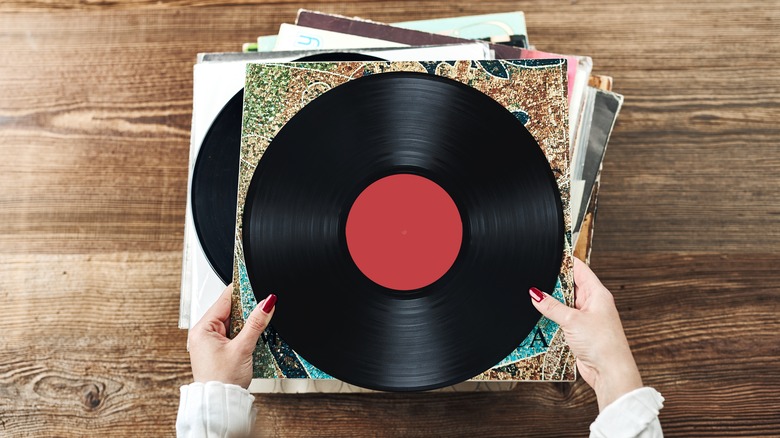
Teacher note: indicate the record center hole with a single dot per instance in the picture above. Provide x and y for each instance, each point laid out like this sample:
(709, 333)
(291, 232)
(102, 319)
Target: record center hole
(404, 232)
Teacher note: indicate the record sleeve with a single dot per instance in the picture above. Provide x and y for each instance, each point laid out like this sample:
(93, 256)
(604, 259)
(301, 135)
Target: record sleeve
(482, 27)
(376, 30)
(532, 90)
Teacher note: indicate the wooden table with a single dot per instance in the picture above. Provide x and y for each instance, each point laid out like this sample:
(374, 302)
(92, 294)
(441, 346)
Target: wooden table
(95, 107)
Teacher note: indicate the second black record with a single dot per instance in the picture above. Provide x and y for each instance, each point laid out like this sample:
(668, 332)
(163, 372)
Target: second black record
(300, 197)
(215, 176)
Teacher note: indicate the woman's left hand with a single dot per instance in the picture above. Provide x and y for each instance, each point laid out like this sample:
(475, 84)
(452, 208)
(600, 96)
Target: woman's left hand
(215, 357)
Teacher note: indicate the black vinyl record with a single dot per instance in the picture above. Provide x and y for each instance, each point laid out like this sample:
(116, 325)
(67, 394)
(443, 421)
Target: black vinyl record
(215, 187)
(295, 246)
(215, 177)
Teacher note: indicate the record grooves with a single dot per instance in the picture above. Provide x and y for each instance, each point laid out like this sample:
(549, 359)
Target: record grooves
(295, 215)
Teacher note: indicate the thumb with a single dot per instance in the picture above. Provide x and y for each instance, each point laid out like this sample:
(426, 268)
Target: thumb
(550, 307)
(255, 325)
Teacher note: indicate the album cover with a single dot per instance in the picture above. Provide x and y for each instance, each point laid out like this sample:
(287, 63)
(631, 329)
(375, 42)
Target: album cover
(293, 37)
(483, 27)
(605, 110)
(585, 220)
(502, 24)
(582, 135)
(372, 29)
(382, 31)
(603, 114)
(532, 90)
(505, 27)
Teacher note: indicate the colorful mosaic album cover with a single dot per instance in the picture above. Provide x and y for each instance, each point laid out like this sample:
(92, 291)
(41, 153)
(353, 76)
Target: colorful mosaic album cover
(532, 89)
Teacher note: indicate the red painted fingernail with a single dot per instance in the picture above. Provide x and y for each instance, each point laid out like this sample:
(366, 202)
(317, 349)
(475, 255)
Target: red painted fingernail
(536, 294)
(269, 303)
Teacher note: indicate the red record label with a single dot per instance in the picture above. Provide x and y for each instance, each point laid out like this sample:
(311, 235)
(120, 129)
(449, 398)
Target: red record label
(404, 232)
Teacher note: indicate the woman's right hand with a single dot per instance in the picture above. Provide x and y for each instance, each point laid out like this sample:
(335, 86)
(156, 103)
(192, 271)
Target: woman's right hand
(595, 335)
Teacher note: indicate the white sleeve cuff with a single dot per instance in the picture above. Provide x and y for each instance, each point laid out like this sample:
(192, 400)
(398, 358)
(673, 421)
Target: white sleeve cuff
(634, 414)
(214, 409)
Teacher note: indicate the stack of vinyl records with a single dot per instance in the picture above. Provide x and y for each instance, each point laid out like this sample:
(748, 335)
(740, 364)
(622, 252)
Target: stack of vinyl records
(399, 187)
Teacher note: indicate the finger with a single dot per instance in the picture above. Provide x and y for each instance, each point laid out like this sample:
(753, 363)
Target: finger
(580, 297)
(580, 293)
(551, 308)
(258, 320)
(583, 276)
(220, 310)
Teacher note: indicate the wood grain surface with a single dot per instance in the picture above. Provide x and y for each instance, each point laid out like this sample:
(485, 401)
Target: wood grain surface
(95, 111)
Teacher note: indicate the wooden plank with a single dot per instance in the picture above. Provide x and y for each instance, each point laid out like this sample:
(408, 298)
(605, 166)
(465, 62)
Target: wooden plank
(90, 345)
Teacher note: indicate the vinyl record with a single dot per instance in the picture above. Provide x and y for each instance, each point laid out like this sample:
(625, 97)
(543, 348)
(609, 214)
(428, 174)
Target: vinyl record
(215, 177)
(445, 326)
(215, 187)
